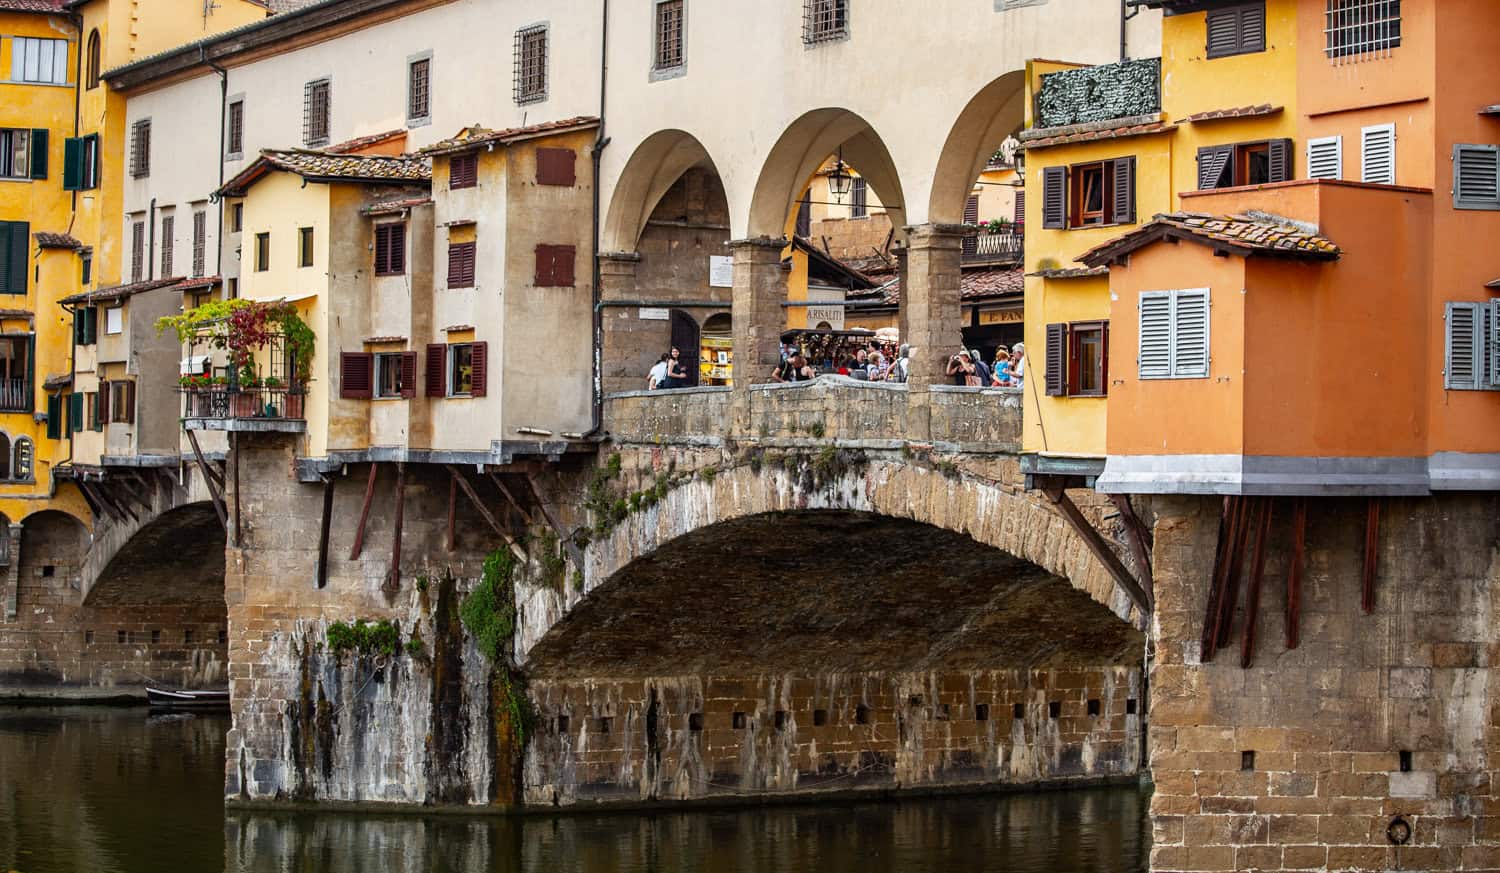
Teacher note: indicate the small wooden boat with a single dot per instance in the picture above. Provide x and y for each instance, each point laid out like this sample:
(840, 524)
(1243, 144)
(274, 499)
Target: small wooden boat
(161, 697)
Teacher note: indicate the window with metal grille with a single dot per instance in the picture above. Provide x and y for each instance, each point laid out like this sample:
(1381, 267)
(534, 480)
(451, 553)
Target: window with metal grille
(44, 61)
(859, 194)
(1359, 28)
(531, 64)
(200, 239)
(316, 97)
(137, 250)
(235, 136)
(669, 53)
(168, 231)
(390, 249)
(140, 149)
(419, 90)
(824, 20)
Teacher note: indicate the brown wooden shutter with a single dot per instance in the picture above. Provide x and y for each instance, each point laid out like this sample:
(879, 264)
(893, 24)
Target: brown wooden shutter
(1055, 198)
(479, 360)
(1280, 154)
(1072, 360)
(556, 167)
(130, 402)
(1223, 32)
(437, 370)
(543, 276)
(1056, 360)
(1212, 162)
(463, 171)
(563, 258)
(355, 382)
(461, 265)
(1124, 201)
(104, 390)
(408, 374)
(1020, 215)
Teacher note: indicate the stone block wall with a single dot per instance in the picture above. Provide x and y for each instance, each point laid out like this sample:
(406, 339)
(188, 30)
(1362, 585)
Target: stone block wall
(687, 738)
(1329, 722)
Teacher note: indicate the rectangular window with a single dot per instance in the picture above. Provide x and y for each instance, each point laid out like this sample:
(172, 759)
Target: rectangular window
(419, 91)
(233, 289)
(43, 61)
(140, 149)
(1471, 353)
(1377, 154)
(90, 178)
(1245, 163)
(461, 370)
(1361, 27)
(1476, 176)
(114, 320)
(1090, 192)
(235, 136)
(1236, 30)
(396, 374)
(390, 249)
(200, 241)
(1325, 157)
(316, 106)
(122, 402)
(461, 265)
(15, 153)
(824, 21)
(1174, 334)
(137, 250)
(168, 232)
(262, 252)
(81, 163)
(85, 269)
(859, 198)
(1077, 359)
(304, 247)
(237, 218)
(531, 64)
(669, 45)
(463, 171)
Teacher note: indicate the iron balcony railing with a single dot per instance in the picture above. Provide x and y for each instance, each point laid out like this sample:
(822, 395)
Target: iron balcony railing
(15, 395)
(222, 402)
(983, 247)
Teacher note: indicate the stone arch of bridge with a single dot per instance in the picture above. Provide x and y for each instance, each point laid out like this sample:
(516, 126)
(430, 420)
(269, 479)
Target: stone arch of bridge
(652, 169)
(997, 111)
(177, 557)
(987, 513)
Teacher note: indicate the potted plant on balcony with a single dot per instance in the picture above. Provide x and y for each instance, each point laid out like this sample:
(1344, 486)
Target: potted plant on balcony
(244, 328)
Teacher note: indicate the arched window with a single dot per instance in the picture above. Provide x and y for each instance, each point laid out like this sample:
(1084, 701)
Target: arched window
(21, 470)
(93, 71)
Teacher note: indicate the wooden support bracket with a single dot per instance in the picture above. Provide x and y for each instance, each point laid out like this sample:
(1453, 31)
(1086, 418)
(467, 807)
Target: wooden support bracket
(1139, 537)
(1252, 596)
(393, 578)
(135, 493)
(364, 513)
(563, 536)
(215, 486)
(1096, 544)
(463, 483)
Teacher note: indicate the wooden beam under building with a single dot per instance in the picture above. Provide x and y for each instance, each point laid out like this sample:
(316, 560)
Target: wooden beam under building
(393, 579)
(215, 487)
(463, 482)
(1096, 544)
(364, 513)
(1252, 596)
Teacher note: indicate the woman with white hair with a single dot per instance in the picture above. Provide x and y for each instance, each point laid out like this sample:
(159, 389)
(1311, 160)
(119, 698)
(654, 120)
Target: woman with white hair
(1018, 365)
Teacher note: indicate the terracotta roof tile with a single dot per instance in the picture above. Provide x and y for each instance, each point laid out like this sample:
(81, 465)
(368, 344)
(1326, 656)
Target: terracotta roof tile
(1071, 273)
(974, 285)
(49, 240)
(1105, 133)
(359, 143)
(392, 207)
(119, 292)
(1237, 112)
(198, 283)
(322, 166)
(31, 5)
(1253, 234)
(475, 136)
(17, 313)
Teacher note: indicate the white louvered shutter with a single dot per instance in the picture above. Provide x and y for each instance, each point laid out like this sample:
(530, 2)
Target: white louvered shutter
(1492, 345)
(1325, 158)
(1461, 355)
(1155, 359)
(1190, 333)
(1476, 176)
(1377, 154)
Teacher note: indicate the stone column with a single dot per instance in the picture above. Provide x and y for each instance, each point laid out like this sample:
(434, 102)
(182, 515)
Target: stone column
(13, 574)
(759, 290)
(622, 354)
(930, 314)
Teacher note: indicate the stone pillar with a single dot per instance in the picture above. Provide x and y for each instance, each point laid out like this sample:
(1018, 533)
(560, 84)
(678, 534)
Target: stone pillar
(13, 574)
(930, 314)
(620, 357)
(759, 290)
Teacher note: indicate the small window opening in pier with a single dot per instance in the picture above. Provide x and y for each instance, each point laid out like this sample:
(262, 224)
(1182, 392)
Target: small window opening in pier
(695, 722)
(1093, 707)
(915, 700)
(1130, 706)
(49, 570)
(122, 637)
(155, 636)
(187, 637)
(944, 712)
(88, 638)
(562, 724)
(606, 724)
(1018, 711)
(1406, 760)
(861, 714)
(820, 717)
(781, 719)
(1054, 709)
(1247, 760)
(981, 712)
(223, 636)
(738, 720)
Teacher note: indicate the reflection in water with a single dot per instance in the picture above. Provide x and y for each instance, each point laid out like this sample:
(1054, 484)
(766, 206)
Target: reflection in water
(113, 790)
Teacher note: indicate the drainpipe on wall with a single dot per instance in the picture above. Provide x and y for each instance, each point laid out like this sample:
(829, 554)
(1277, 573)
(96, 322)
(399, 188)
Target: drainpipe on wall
(600, 142)
(223, 120)
(151, 241)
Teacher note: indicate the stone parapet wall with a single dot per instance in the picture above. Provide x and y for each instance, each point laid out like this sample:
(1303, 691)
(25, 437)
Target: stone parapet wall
(693, 738)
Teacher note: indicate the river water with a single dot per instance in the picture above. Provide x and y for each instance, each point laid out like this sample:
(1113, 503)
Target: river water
(116, 791)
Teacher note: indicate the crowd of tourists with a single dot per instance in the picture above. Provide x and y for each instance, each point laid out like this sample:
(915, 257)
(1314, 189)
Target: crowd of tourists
(865, 359)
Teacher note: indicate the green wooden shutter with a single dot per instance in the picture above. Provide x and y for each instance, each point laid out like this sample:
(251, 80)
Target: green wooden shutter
(39, 153)
(75, 412)
(54, 417)
(73, 163)
(5, 257)
(79, 322)
(16, 262)
(91, 325)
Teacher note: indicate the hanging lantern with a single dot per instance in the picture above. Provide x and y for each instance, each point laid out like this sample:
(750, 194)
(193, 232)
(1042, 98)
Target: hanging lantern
(839, 180)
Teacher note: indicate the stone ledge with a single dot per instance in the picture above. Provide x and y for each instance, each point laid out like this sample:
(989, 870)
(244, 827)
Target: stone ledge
(246, 425)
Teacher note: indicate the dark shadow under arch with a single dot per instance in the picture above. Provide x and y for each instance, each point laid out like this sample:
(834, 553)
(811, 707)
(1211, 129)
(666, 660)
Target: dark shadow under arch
(178, 558)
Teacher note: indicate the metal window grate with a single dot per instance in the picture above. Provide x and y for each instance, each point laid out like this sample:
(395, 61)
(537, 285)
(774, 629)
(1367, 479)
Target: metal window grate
(140, 149)
(1357, 30)
(531, 64)
(315, 110)
(824, 20)
(419, 106)
(668, 34)
(236, 127)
